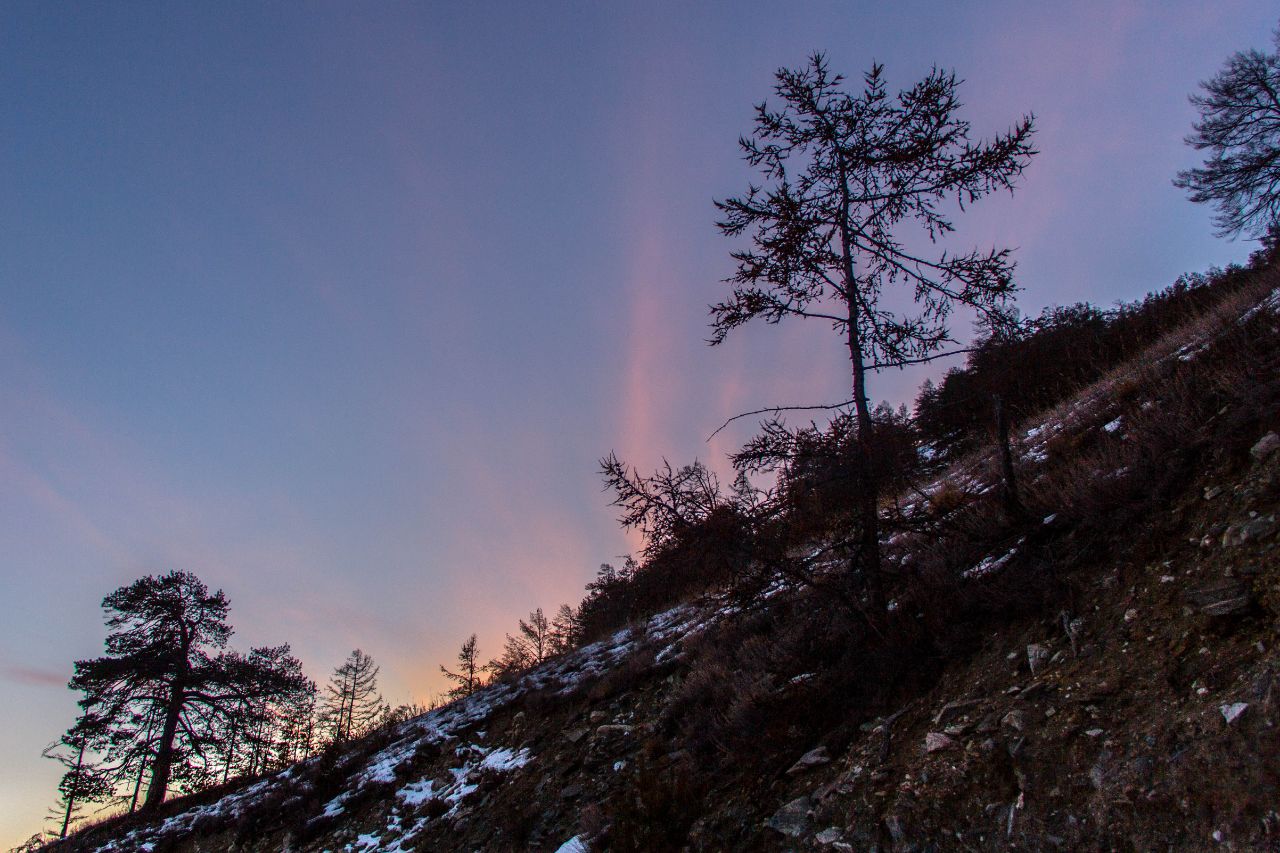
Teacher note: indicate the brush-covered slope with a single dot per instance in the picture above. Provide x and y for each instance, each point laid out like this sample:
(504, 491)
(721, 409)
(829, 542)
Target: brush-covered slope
(1098, 672)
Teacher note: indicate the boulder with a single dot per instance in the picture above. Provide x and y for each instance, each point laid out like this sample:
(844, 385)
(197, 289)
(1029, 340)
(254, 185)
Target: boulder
(1232, 712)
(937, 741)
(792, 820)
(829, 836)
(1266, 445)
(1015, 720)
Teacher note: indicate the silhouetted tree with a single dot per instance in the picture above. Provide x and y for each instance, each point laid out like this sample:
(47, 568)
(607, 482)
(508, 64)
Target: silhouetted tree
(536, 634)
(84, 781)
(534, 643)
(352, 702)
(470, 675)
(843, 172)
(566, 630)
(1239, 127)
(664, 505)
(165, 684)
(297, 725)
(515, 658)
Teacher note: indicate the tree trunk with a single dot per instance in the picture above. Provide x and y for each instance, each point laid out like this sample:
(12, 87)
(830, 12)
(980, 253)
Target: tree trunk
(1012, 505)
(163, 763)
(868, 555)
(71, 796)
(142, 762)
(231, 756)
(137, 786)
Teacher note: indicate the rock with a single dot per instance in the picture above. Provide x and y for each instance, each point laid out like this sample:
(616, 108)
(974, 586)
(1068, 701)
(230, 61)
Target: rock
(956, 730)
(792, 820)
(952, 708)
(613, 729)
(1249, 531)
(571, 792)
(1266, 445)
(812, 758)
(1130, 615)
(937, 741)
(1014, 720)
(597, 716)
(830, 835)
(575, 735)
(1232, 712)
(1094, 732)
(1037, 657)
(1212, 492)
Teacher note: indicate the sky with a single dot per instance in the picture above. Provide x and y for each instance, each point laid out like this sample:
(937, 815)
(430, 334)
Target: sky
(338, 305)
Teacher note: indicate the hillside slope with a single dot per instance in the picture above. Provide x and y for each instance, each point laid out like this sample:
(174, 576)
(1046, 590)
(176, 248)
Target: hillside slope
(1102, 674)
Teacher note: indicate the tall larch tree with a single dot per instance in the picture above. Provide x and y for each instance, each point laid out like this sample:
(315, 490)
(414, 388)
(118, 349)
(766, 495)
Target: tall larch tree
(843, 175)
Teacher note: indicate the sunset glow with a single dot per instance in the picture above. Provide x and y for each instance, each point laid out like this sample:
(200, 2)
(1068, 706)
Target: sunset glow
(338, 307)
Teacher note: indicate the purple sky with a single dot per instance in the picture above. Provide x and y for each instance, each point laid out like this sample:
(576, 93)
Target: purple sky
(338, 309)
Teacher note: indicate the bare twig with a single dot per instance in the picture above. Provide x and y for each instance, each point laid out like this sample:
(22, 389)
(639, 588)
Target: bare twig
(775, 410)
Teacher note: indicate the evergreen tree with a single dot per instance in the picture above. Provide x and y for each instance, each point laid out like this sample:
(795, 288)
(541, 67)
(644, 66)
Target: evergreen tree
(84, 781)
(566, 631)
(167, 688)
(470, 675)
(536, 635)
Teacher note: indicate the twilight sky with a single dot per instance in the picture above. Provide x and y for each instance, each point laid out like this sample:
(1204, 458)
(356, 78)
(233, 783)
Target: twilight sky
(338, 307)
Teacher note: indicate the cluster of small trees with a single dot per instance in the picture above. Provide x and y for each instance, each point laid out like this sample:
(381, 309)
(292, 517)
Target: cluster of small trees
(169, 707)
(537, 639)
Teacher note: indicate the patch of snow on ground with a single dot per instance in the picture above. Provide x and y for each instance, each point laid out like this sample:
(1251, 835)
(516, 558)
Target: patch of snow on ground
(416, 793)
(505, 760)
(573, 845)
(1271, 303)
(564, 675)
(990, 564)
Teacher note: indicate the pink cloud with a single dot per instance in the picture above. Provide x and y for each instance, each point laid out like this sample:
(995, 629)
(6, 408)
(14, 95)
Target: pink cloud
(33, 676)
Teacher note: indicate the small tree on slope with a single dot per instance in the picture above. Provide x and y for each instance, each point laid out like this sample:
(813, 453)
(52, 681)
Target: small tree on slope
(352, 702)
(470, 675)
(842, 173)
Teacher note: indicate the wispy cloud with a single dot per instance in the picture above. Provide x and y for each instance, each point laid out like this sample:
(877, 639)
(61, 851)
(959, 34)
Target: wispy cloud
(33, 676)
